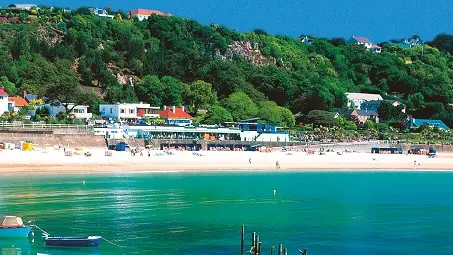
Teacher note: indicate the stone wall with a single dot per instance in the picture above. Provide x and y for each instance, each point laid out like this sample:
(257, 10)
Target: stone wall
(45, 139)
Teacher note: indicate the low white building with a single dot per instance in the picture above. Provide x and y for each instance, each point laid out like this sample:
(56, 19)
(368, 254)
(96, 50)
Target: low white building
(101, 13)
(3, 101)
(80, 111)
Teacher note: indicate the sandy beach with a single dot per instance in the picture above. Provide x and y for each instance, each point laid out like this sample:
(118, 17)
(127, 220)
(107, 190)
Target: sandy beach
(55, 161)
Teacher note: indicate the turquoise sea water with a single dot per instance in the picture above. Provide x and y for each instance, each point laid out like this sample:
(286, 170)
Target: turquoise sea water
(328, 213)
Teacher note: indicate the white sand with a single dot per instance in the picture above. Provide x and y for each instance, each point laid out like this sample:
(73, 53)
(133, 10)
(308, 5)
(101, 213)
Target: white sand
(54, 161)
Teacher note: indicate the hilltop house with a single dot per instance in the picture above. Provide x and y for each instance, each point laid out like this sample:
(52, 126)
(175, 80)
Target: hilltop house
(355, 100)
(3, 101)
(373, 105)
(143, 14)
(176, 116)
(359, 116)
(365, 42)
(101, 13)
(26, 7)
(414, 123)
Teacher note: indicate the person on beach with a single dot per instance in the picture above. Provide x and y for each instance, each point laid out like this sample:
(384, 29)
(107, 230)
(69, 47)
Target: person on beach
(141, 152)
(149, 153)
(277, 165)
(250, 160)
(415, 163)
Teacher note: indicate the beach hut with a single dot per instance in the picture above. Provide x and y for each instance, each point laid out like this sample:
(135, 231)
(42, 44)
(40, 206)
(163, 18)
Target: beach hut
(26, 146)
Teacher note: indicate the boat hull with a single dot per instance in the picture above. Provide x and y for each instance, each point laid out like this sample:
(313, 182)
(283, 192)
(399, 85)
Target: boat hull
(14, 232)
(73, 241)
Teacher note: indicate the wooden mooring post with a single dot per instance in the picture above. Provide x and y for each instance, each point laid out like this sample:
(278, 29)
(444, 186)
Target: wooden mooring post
(242, 239)
(280, 249)
(285, 251)
(272, 250)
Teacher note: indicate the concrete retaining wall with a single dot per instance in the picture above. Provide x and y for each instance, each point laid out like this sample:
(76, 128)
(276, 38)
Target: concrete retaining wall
(49, 139)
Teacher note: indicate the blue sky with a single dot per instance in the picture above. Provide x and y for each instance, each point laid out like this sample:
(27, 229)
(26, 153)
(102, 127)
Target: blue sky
(379, 20)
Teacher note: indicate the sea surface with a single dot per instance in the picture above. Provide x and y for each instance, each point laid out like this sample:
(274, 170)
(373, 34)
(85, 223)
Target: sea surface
(338, 213)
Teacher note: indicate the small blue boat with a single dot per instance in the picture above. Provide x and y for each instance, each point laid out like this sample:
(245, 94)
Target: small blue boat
(87, 241)
(13, 227)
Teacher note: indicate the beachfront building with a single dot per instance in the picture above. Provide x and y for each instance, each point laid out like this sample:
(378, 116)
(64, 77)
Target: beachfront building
(80, 112)
(355, 100)
(16, 103)
(415, 123)
(143, 14)
(262, 133)
(365, 42)
(373, 105)
(3, 101)
(128, 112)
(176, 116)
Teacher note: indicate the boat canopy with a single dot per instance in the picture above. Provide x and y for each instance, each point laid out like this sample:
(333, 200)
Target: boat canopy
(11, 222)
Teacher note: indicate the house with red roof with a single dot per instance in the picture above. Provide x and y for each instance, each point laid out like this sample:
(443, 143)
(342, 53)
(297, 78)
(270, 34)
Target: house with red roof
(176, 116)
(16, 103)
(365, 42)
(3, 101)
(143, 14)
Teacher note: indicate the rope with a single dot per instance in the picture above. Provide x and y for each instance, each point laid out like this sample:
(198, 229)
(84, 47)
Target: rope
(42, 230)
(112, 243)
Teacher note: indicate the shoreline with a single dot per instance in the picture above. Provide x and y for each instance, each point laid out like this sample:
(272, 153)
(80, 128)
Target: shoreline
(55, 162)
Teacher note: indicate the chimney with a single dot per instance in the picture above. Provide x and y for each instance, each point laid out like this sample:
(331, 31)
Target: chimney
(173, 109)
(182, 108)
(165, 107)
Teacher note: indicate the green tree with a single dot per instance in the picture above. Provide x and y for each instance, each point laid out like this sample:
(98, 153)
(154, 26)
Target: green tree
(217, 115)
(9, 87)
(321, 118)
(199, 94)
(241, 106)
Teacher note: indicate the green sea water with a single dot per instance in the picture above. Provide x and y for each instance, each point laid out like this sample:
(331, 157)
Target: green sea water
(198, 213)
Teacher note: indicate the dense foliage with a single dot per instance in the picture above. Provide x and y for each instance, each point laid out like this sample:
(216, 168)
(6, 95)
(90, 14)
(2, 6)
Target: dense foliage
(81, 58)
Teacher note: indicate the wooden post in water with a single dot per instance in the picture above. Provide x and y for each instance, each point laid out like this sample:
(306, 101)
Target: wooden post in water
(242, 239)
(272, 250)
(259, 248)
(280, 249)
(257, 242)
(253, 241)
(285, 251)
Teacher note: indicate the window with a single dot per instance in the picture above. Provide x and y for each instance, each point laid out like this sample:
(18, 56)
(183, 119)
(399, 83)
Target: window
(111, 110)
(122, 111)
(131, 111)
(103, 110)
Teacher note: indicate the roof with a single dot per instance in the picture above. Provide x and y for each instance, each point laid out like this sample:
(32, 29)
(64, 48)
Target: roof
(146, 12)
(18, 101)
(367, 113)
(363, 96)
(348, 112)
(431, 123)
(361, 39)
(3, 93)
(29, 97)
(178, 114)
(376, 46)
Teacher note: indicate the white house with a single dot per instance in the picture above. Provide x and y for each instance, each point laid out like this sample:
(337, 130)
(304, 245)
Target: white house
(3, 101)
(365, 42)
(128, 112)
(16, 103)
(101, 13)
(355, 100)
(143, 14)
(80, 111)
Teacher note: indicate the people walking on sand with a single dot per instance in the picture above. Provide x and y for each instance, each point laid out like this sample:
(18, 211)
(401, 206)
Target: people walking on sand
(141, 152)
(277, 165)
